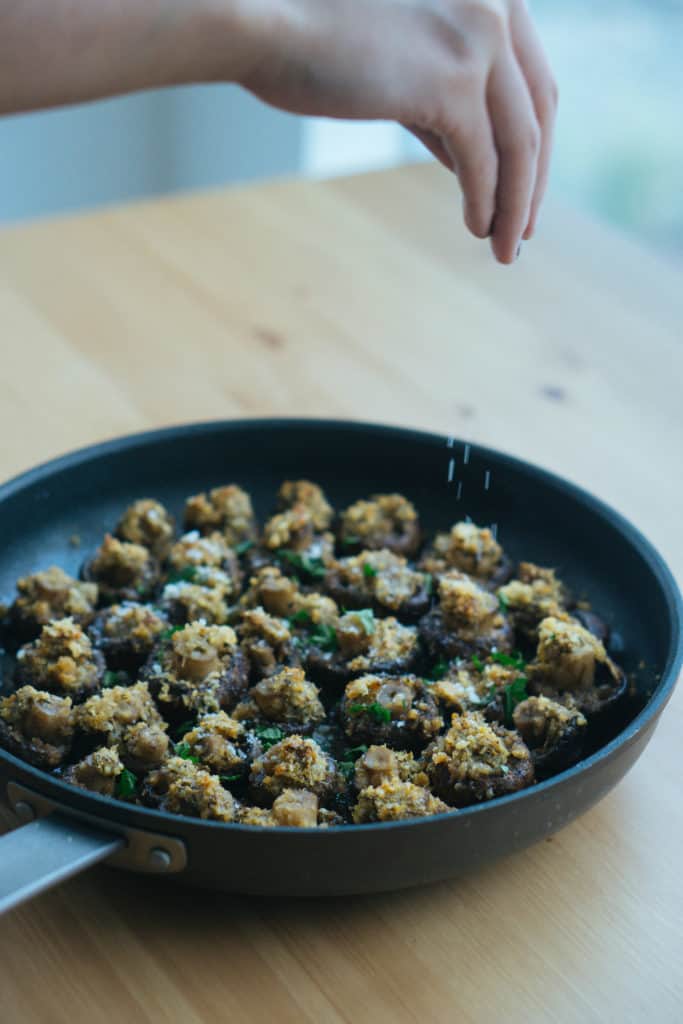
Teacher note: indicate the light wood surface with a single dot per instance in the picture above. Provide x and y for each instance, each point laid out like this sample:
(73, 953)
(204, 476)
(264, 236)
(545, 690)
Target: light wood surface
(363, 298)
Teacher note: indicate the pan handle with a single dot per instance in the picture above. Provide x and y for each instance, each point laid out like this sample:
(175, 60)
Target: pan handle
(48, 851)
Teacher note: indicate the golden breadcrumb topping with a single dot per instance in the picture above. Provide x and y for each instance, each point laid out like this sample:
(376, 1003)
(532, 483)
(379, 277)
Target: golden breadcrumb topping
(98, 771)
(53, 594)
(568, 653)
(187, 789)
(470, 548)
(147, 522)
(288, 697)
(34, 712)
(394, 800)
(216, 740)
(389, 642)
(472, 749)
(402, 696)
(381, 575)
(119, 562)
(199, 650)
(129, 621)
(61, 659)
(197, 602)
(542, 721)
(303, 492)
(466, 606)
(194, 550)
(372, 519)
(113, 710)
(227, 509)
(293, 763)
(292, 528)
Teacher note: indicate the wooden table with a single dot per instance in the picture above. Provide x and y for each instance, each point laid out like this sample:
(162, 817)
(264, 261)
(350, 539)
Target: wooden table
(363, 298)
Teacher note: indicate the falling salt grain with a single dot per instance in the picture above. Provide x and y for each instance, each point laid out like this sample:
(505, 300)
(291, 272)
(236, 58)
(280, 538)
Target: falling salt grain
(451, 470)
(487, 479)
(466, 454)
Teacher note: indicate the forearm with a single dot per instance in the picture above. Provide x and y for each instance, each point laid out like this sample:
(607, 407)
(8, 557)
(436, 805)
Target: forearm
(54, 52)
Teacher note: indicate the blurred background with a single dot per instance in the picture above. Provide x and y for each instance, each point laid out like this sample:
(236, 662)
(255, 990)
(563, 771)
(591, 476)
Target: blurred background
(619, 143)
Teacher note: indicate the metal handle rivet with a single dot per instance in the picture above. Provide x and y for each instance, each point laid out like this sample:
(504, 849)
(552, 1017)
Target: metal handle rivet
(24, 811)
(159, 859)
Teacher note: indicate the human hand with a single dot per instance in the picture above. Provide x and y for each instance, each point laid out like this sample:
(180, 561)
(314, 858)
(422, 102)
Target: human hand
(468, 77)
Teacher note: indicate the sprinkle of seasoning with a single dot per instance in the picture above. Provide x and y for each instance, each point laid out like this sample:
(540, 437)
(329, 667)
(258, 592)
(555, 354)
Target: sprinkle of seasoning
(369, 570)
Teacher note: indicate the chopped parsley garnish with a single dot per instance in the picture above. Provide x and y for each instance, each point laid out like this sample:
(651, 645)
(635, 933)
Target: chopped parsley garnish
(184, 750)
(168, 633)
(439, 671)
(375, 710)
(504, 769)
(350, 538)
(514, 660)
(367, 619)
(369, 570)
(428, 583)
(301, 618)
(187, 575)
(352, 753)
(243, 546)
(305, 563)
(502, 604)
(110, 679)
(230, 778)
(477, 662)
(269, 735)
(347, 768)
(513, 695)
(493, 692)
(184, 727)
(126, 783)
(141, 589)
(324, 637)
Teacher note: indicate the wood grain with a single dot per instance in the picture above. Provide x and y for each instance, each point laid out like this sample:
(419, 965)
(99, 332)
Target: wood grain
(363, 298)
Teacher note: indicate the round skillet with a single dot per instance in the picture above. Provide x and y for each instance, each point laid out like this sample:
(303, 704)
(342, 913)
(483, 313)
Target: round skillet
(539, 517)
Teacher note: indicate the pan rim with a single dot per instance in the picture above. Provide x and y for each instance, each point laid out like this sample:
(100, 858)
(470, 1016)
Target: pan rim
(101, 805)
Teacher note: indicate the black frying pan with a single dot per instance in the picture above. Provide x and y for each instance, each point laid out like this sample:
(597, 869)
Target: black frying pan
(540, 517)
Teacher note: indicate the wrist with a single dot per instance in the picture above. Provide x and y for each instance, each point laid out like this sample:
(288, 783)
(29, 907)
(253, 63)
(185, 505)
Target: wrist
(238, 36)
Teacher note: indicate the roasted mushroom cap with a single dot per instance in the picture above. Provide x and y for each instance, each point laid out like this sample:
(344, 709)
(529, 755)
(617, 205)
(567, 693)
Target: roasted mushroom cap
(126, 633)
(475, 761)
(268, 643)
(573, 668)
(124, 717)
(227, 510)
(468, 621)
(199, 668)
(46, 596)
(359, 644)
(97, 772)
(382, 521)
(148, 523)
(289, 697)
(471, 549)
(553, 733)
(181, 787)
(122, 571)
(532, 596)
(311, 496)
(62, 660)
(37, 726)
(394, 800)
(296, 762)
(380, 763)
(222, 745)
(380, 580)
(396, 710)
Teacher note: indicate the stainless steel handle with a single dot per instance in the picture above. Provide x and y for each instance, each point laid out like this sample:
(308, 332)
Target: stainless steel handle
(46, 852)
(55, 846)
